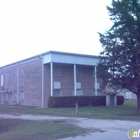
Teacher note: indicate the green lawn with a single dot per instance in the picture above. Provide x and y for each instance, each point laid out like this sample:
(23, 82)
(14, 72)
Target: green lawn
(13, 129)
(126, 112)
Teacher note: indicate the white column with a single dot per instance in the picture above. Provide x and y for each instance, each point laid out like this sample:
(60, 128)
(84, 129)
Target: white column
(74, 79)
(1, 80)
(51, 73)
(95, 84)
(107, 100)
(115, 100)
(42, 81)
(17, 84)
(2, 88)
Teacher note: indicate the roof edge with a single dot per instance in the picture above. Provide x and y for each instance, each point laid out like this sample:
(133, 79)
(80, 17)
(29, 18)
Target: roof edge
(45, 53)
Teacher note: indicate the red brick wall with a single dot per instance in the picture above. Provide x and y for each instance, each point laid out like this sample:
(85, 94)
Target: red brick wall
(67, 80)
(47, 84)
(9, 82)
(87, 80)
(29, 82)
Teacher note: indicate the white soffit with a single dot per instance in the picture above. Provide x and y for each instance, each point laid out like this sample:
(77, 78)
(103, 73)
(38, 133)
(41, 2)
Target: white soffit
(70, 59)
(47, 58)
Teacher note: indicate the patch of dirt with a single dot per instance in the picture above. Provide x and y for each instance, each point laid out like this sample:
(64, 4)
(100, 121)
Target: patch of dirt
(94, 130)
(3, 129)
(55, 121)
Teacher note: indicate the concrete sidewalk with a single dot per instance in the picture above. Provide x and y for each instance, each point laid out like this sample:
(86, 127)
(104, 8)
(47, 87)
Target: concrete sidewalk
(108, 129)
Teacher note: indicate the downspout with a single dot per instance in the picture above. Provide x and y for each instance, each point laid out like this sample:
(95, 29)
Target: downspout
(17, 99)
(51, 80)
(75, 80)
(42, 80)
(96, 81)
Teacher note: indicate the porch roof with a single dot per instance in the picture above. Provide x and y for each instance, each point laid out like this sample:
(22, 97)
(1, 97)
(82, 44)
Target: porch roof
(60, 57)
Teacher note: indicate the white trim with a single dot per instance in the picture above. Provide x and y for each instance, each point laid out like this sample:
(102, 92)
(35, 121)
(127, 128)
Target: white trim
(51, 80)
(60, 57)
(71, 59)
(1, 80)
(75, 79)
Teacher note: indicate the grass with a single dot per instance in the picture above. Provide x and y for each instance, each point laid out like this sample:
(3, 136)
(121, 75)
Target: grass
(13, 129)
(125, 112)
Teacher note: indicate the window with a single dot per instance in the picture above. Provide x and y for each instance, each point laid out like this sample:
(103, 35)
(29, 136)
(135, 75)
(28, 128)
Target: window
(96, 85)
(79, 92)
(128, 95)
(56, 92)
(79, 72)
(57, 71)
(57, 85)
(78, 85)
(15, 96)
(21, 96)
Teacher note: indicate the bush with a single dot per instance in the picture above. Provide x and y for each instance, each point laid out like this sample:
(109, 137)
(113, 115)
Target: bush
(70, 101)
(98, 100)
(120, 100)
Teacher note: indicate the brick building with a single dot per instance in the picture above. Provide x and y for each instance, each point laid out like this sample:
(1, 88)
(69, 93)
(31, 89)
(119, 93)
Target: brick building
(33, 80)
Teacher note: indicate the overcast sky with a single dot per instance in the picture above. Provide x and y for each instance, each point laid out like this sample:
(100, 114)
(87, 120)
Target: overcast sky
(31, 27)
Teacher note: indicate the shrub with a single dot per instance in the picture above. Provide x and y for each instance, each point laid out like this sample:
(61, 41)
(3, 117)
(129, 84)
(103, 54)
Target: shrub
(70, 101)
(120, 100)
(98, 100)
